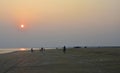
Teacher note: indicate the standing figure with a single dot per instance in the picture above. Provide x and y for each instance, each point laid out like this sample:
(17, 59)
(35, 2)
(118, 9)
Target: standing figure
(42, 50)
(64, 49)
(31, 49)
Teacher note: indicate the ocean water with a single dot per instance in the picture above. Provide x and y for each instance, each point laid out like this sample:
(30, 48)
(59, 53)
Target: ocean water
(9, 50)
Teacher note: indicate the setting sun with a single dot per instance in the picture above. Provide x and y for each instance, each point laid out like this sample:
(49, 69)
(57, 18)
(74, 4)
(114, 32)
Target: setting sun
(22, 26)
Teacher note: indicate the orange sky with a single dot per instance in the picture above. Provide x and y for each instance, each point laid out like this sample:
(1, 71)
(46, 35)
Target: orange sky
(86, 17)
(54, 10)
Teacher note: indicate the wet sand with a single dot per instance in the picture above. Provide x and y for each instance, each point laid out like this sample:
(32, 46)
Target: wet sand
(55, 61)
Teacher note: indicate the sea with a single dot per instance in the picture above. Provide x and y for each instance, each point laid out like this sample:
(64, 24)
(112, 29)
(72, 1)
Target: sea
(9, 50)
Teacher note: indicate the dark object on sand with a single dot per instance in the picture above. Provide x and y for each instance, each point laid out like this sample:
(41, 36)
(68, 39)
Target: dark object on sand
(85, 47)
(77, 47)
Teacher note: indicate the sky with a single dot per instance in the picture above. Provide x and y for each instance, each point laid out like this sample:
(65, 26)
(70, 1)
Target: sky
(55, 23)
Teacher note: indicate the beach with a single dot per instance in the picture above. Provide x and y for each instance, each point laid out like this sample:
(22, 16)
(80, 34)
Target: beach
(83, 60)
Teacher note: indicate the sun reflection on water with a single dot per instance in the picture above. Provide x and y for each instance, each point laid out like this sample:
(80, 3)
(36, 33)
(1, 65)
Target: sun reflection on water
(22, 49)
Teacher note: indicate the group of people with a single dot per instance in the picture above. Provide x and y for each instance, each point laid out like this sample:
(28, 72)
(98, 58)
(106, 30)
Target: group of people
(43, 49)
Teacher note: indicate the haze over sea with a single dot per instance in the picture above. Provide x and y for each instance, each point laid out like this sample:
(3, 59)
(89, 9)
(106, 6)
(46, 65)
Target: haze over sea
(54, 23)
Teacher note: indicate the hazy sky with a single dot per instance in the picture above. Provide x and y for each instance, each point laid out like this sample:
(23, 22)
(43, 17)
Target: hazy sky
(52, 23)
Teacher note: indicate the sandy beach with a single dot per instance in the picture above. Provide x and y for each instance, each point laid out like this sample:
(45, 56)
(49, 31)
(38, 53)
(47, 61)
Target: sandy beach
(55, 61)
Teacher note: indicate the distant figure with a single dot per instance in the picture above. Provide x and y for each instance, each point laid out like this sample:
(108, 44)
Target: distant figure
(64, 49)
(42, 50)
(31, 49)
(56, 48)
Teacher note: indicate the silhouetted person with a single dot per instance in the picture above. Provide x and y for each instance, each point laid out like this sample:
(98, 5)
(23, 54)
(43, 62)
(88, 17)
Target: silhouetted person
(64, 49)
(42, 50)
(31, 49)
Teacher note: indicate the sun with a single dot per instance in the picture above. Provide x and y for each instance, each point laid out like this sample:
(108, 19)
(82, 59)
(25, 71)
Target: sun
(22, 26)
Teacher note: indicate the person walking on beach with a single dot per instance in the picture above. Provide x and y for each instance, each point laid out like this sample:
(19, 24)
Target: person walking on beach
(31, 49)
(64, 49)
